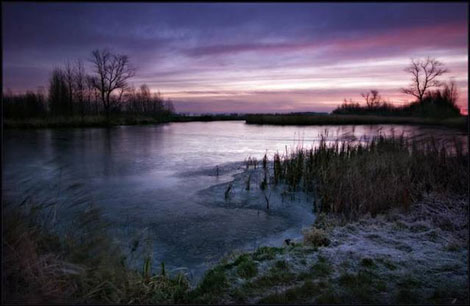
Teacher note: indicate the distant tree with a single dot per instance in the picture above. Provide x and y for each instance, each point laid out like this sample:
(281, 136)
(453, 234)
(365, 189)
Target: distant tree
(145, 98)
(170, 108)
(424, 76)
(69, 80)
(92, 95)
(58, 92)
(79, 86)
(112, 71)
(21, 106)
(440, 102)
(450, 91)
(373, 99)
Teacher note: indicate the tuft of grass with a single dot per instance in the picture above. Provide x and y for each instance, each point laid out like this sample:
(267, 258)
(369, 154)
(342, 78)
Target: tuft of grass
(227, 191)
(368, 263)
(251, 161)
(277, 275)
(292, 295)
(453, 246)
(247, 269)
(316, 237)
(264, 183)
(406, 296)
(362, 286)
(322, 267)
(409, 282)
(267, 253)
(248, 180)
(387, 264)
(281, 264)
(209, 289)
(329, 296)
(238, 295)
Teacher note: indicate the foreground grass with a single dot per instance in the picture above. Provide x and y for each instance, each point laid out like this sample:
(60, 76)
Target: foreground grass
(80, 266)
(458, 122)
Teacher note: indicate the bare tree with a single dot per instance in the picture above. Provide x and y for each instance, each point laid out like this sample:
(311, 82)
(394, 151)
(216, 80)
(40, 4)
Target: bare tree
(112, 72)
(450, 90)
(79, 79)
(58, 93)
(372, 98)
(170, 108)
(69, 80)
(92, 95)
(424, 76)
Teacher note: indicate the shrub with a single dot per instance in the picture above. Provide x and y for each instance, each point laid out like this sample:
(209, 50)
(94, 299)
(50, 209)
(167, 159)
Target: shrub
(316, 237)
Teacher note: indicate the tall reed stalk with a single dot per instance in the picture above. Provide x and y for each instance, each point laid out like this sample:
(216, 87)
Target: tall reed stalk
(356, 178)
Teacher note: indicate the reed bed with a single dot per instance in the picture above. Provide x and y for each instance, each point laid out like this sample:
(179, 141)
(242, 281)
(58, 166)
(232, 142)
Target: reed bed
(352, 179)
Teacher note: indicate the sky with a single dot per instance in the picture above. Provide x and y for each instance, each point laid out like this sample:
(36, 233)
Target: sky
(245, 58)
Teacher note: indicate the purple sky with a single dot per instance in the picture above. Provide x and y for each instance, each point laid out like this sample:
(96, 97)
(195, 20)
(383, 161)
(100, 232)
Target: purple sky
(226, 57)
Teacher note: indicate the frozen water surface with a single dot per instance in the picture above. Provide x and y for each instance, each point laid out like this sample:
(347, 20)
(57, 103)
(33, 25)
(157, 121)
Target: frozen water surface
(159, 183)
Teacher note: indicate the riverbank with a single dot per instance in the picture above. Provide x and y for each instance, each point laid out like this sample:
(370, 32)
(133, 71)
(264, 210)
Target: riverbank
(273, 119)
(278, 119)
(397, 241)
(100, 121)
(416, 256)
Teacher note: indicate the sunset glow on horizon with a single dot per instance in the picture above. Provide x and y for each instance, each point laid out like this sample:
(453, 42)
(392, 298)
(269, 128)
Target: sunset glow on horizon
(245, 58)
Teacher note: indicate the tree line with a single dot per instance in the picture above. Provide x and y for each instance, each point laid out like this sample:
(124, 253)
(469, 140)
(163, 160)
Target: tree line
(73, 91)
(433, 98)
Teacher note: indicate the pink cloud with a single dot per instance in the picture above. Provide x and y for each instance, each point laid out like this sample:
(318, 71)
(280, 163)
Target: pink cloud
(448, 35)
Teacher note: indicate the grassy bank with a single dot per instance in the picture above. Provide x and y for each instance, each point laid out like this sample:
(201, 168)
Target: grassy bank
(82, 265)
(114, 120)
(413, 257)
(417, 256)
(278, 119)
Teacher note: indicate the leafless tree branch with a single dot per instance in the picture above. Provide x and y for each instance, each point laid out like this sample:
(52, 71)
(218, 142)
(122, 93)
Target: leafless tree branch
(424, 73)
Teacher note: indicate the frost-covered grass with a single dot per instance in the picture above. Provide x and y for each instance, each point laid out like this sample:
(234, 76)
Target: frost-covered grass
(367, 261)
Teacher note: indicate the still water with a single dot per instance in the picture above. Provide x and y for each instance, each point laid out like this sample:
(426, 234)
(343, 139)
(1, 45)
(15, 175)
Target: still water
(149, 181)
